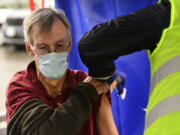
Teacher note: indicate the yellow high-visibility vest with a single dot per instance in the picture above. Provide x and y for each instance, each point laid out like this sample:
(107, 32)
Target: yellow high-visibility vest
(163, 110)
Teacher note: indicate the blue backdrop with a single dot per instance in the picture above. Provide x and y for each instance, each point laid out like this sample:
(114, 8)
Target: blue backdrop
(83, 15)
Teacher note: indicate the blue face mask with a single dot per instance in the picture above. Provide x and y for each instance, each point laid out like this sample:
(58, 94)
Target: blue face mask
(53, 65)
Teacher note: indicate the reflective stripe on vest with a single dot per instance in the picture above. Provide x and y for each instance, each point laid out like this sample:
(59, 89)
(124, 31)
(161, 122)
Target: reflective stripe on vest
(171, 66)
(167, 106)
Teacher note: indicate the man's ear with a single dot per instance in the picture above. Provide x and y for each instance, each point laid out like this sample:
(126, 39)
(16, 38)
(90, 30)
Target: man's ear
(29, 49)
(70, 43)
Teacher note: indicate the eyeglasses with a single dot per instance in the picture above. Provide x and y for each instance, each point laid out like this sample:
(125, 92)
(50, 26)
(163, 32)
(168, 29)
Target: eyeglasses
(45, 49)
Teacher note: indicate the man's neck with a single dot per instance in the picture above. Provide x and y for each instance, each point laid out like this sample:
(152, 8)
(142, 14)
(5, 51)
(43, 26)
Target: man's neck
(54, 83)
(53, 87)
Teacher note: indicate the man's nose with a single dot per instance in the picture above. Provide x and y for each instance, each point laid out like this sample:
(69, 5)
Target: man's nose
(53, 49)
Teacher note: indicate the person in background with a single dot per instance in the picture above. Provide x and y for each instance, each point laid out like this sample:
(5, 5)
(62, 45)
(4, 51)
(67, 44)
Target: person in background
(155, 28)
(47, 98)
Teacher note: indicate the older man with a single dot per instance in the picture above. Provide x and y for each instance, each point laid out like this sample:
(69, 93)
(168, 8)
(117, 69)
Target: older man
(47, 98)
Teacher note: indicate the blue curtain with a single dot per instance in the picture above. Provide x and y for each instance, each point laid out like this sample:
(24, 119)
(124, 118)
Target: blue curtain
(83, 15)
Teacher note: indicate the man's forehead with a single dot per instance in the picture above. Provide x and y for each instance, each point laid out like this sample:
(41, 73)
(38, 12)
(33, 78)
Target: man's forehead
(47, 35)
(56, 25)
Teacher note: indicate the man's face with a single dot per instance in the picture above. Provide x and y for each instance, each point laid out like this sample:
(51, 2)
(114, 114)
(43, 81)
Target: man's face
(55, 40)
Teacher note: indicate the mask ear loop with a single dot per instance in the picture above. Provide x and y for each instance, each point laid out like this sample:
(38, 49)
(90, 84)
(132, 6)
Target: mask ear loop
(33, 49)
(35, 55)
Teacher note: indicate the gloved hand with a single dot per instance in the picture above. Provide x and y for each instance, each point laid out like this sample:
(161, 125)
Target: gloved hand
(117, 80)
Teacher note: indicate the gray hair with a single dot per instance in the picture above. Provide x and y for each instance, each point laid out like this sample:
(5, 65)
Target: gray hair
(44, 17)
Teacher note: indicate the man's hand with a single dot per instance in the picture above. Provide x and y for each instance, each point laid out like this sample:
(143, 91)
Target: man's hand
(101, 86)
